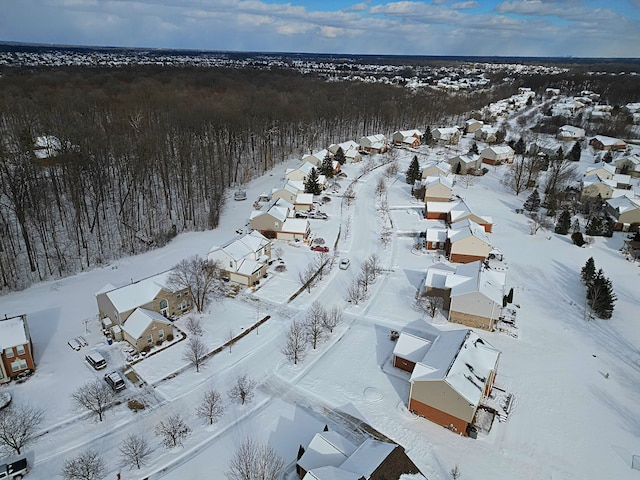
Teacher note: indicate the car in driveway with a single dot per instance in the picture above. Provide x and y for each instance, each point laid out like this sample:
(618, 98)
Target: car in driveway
(115, 381)
(320, 248)
(301, 214)
(344, 263)
(318, 215)
(96, 360)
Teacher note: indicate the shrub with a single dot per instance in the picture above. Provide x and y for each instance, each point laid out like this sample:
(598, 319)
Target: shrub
(158, 343)
(169, 338)
(135, 405)
(577, 239)
(146, 349)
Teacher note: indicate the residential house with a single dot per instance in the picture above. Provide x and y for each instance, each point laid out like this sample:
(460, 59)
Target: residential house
(602, 142)
(288, 191)
(316, 158)
(467, 242)
(407, 138)
(570, 133)
(270, 217)
(603, 170)
(437, 210)
(467, 163)
(145, 328)
(244, 259)
(486, 134)
(374, 143)
(16, 347)
(303, 202)
(625, 211)
(446, 135)
(294, 229)
(152, 293)
(437, 189)
(629, 164)
(350, 150)
(451, 375)
(595, 186)
(460, 211)
(434, 169)
(472, 293)
(435, 236)
(300, 173)
(497, 155)
(472, 125)
(330, 456)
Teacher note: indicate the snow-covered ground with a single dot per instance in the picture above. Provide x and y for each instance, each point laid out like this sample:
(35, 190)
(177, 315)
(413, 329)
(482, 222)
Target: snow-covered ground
(576, 382)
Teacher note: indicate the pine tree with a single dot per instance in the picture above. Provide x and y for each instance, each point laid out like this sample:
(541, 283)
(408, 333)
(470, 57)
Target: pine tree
(588, 271)
(413, 173)
(532, 203)
(575, 153)
(458, 168)
(600, 295)
(474, 148)
(427, 137)
(326, 168)
(564, 222)
(510, 295)
(559, 154)
(608, 157)
(312, 185)
(519, 147)
(608, 226)
(594, 227)
(340, 157)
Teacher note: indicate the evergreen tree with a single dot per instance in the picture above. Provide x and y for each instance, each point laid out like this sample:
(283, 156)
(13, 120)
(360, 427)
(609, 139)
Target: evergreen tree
(600, 295)
(413, 173)
(575, 228)
(575, 153)
(564, 222)
(427, 137)
(608, 157)
(594, 227)
(326, 168)
(588, 271)
(312, 185)
(532, 203)
(510, 295)
(340, 157)
(577, 238)
(474, 148)
(559, 154)
(458, 168)
(520, 147)
(608, 226)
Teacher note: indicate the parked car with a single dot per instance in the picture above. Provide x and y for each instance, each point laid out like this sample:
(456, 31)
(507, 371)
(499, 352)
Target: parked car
(320, 248)
(344, 263)
(240, 195)
(74, 344)
(82, 341)
(318, 215)
(301, 214)
(5, 399)
(96, 360)
(115, 381)
(14, 470)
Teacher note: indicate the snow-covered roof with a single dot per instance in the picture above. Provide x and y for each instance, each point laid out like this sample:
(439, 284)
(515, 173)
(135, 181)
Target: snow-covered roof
(326, 449)
(368, 456)
(304, 199)
(467, 228)
(436, 234)
(412, 346)
(595, 179)
(139, 321)
(575, 132)
(288, 186)
(295, 225)
(330, 473)
(622, 179)
(431, 181)
(440, 207)
(490, 283)
(248, 267)
(466, 158)
(623, 204)
(499, 150)
(139, 293)
(462, 359)
(607, 167)
(473, 121)
(608, 141)
(12, 333)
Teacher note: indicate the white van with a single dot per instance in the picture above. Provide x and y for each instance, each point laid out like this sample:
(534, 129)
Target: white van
(96, 360)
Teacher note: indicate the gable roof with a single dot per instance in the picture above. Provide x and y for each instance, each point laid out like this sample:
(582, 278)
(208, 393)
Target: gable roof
(368, 457)
(608, 141)
(467, 228)
(138, 293)
(623, 204)
(139, 321)
(295, 225)
(13, 332)
(607, 167)
(326, 448)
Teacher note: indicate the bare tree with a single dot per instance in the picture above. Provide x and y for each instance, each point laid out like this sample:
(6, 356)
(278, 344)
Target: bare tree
(429, 304)
(254, 461)
(455, 472)
(467, 180)
(515, 177)
(95, 396)
(211, 408)
(307, 277)
(173, 431)
(194, 326)
(537, 222)
(381, 187)
(322, 260)
(332, 318)
(371, 268)
(356, 291)
(135, 450)
(314, 323)
(243, 390)
(559, 173)
(201, 277)
(89, 465)
(230, 337)
(18, 425)
(296, 342)
(195, 352)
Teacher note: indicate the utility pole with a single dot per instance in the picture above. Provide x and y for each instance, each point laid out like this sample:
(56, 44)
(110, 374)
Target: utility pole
(86, 325)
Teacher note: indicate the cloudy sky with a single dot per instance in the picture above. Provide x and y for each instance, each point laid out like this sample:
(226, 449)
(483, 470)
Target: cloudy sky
(580, 28)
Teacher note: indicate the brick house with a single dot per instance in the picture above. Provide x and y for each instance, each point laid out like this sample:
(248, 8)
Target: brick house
(16, 347)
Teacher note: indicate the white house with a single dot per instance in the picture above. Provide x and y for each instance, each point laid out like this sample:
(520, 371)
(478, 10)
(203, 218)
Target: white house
(245, 258)
(374, 143)
(570, 133)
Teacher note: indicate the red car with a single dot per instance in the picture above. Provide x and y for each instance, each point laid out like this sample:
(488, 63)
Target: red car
(320, 248)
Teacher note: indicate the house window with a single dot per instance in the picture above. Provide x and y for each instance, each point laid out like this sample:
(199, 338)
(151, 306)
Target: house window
(178, 295)
(230, 264)
(18, 365)
(20, 349)
(163, 304)
(161, 335)
(186, 292)
(276, 224)
(150, 340)
(8, 352)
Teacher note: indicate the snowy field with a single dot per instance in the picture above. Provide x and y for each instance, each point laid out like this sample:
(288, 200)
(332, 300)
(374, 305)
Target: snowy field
(576, 382)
